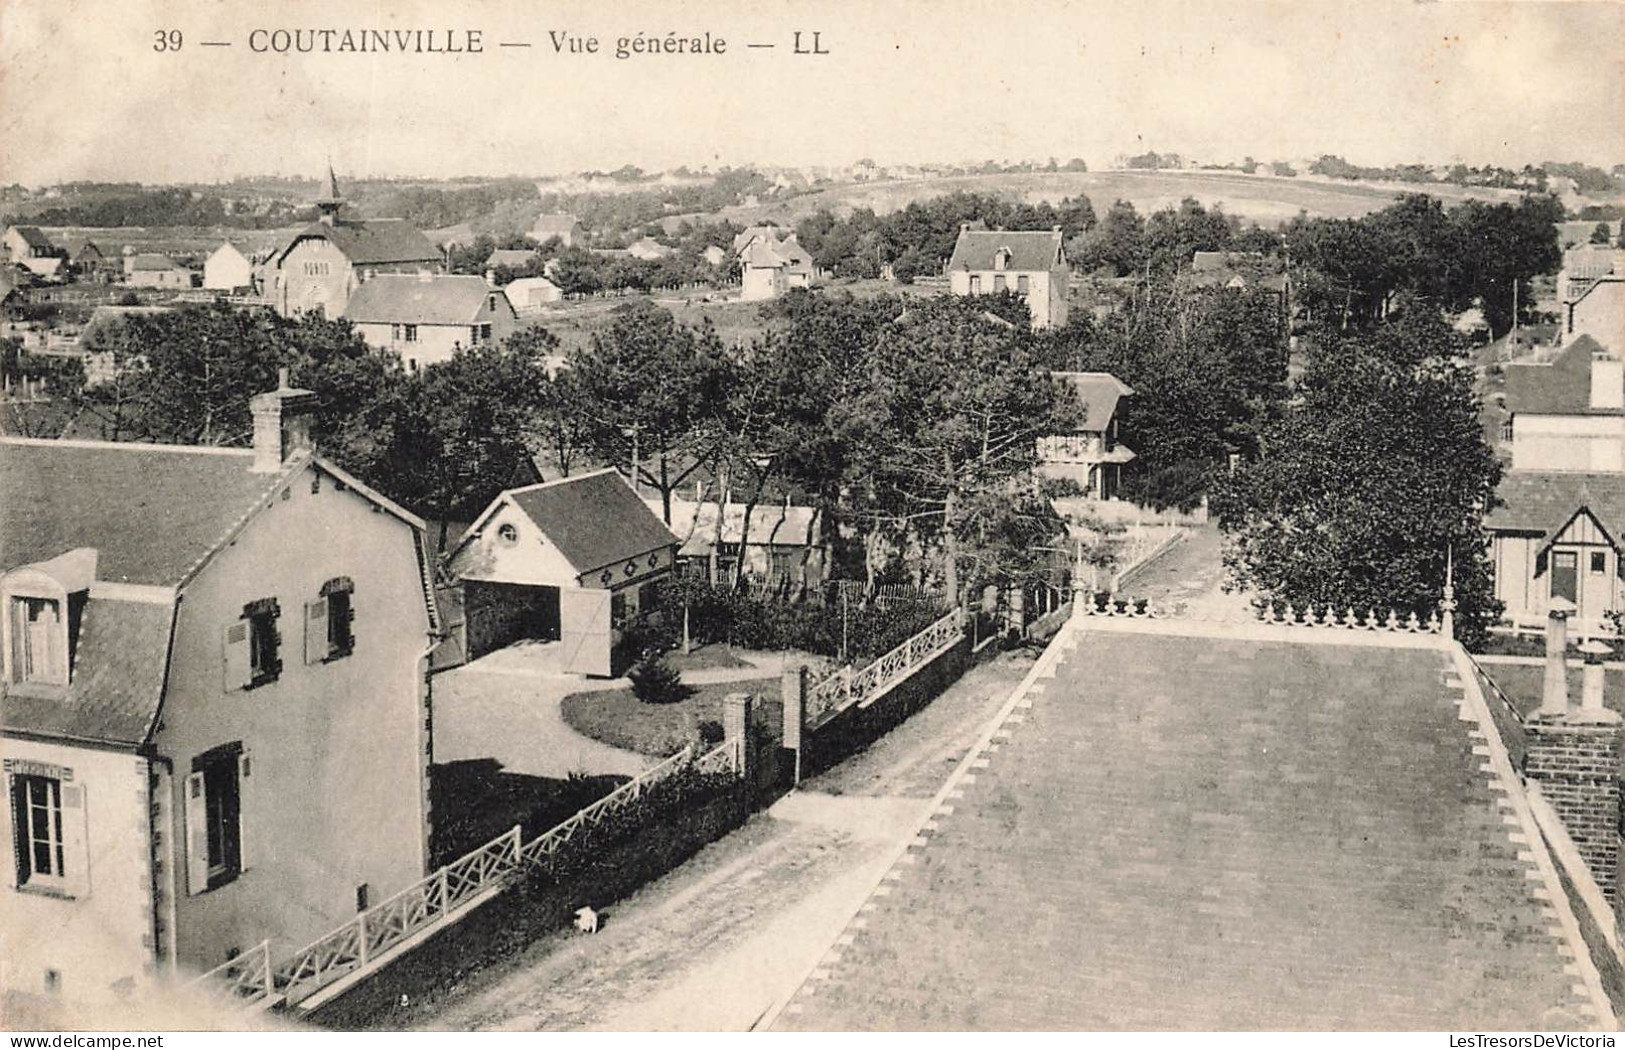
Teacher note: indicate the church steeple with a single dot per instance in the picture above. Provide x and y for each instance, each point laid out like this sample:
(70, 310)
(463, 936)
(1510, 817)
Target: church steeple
(329, 205)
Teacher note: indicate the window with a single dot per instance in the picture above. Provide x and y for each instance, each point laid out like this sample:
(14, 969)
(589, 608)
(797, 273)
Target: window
(410, 332)
(479, 333)
(328, 634)
(39, 641)
(998, 282)
(1024, 285)
(783, 564)
(36, 806)
(507, 534)
(362, 893)
(394, 333)
(1565, 570)
(976, 284)
(214, 808)
(1599, 562)
(253, 646)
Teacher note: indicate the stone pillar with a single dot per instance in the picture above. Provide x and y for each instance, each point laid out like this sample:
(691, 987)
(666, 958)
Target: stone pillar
(1575, 757)
(736, 730)
(1554, 690)
(793, 689)
(1591, 685)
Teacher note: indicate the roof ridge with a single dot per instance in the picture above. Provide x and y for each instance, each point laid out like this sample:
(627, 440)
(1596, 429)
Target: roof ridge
(132, 446)
(560, 481)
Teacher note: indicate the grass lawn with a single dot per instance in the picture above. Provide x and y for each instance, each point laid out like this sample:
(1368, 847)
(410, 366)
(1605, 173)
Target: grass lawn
(705, 657)
(617, 717)
(1522, 684)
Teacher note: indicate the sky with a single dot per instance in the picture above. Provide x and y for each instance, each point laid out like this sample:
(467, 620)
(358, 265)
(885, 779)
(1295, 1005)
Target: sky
(85, 93)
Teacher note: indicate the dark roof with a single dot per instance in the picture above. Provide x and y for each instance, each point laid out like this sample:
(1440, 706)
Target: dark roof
(153, 261)
(1099, 392)
(117, 678)
(1542, 501)
(35, 237)
(510, 257)
(152, 512)
(1229, 857)
(1560, 386)
(558, 223)
(370, 241)
(594, 519)
(1030, 250)
(412, 299)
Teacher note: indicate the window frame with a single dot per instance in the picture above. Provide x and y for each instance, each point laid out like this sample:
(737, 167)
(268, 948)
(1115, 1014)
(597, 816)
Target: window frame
(220, 771)
(25, 845)
(339, 594)
(264, 642)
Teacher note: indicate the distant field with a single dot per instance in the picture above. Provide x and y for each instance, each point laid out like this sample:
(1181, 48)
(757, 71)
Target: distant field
(197, 241)
(1264, 199)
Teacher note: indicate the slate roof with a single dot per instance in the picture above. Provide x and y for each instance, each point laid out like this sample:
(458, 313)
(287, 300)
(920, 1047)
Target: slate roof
(1559, 386)
(1215, 835)
(151, 511)
(370, 241)
(1541, 501)
(560, 224)
(1099, 392)
(593, 519)
(153, 261)
(444, 299)
(117, 681)
(1030, 250)
(770, 230)
(34, 237)
(770, 524)
(514, 257)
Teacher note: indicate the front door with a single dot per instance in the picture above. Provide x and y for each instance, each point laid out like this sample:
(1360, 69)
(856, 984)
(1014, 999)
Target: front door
(1566, 575)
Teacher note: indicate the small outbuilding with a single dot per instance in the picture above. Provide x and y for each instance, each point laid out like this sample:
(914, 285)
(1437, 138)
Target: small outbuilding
(568, 563)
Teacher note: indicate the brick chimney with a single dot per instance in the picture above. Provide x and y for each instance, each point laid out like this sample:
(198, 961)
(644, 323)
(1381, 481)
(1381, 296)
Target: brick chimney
(281, 424)
(1574, 755)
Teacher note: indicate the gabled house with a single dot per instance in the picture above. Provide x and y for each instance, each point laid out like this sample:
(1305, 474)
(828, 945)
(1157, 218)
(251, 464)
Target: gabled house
(649, 250)
(567, 228)
(770, 266)
(214, 705)
(568, 564)
(1559, 536)
(783, 548)
(90, 263)
(1566, 412)
(1591, 293)
(1091, 455)
(426, 318)
(321, 266)
(512, 258)
(155, 270)
(1030, 263)
(530, 294)
(227, 269)
(30, 248)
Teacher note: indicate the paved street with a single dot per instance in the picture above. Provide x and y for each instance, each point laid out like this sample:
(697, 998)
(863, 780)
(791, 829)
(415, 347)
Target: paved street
(714, 944)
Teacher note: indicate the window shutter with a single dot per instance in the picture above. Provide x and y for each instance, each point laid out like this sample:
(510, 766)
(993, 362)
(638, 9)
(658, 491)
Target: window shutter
(316, 631)
(237, 662)
(1540, 564)
(75, 845)
(19, 869)
(246, 797)
(197, 835)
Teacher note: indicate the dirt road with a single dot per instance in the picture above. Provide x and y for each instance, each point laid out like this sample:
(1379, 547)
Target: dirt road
(714, 944)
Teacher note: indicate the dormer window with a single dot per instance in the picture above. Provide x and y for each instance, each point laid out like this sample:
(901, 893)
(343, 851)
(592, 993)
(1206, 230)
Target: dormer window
(39, 641)
(1001, 258)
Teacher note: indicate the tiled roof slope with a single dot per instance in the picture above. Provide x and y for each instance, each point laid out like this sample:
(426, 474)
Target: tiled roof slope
(1559, 386)
(1099, 392)
(1030, 250)
(118, 678)
(594, 519)
(1541, 500)
(410, 299)
(1205, 834)
(371, 241)
(151, 512)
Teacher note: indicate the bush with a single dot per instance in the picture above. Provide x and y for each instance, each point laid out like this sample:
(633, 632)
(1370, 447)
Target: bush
(657, 682)
(711, 733)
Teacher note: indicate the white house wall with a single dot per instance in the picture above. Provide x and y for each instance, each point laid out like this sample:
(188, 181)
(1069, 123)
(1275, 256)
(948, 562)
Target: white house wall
(1594, 443)
(533, 560)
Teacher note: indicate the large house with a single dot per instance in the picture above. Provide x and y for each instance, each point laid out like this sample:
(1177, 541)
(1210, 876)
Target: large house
(1029, 263)
(426, 318)
(1091, 455)
(213, 703)
(567, 563)
(322, 265)
(30, 248)
(770, 265)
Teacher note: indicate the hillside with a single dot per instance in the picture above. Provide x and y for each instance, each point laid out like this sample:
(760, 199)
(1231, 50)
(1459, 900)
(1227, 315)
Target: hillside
(1261, 198)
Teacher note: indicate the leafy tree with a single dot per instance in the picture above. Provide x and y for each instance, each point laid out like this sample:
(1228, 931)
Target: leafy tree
(1601, 233)
(1363, 485)
(1118, 243)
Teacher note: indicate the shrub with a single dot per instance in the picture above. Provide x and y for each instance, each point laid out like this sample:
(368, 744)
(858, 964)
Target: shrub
(711, 733)
(657, 682)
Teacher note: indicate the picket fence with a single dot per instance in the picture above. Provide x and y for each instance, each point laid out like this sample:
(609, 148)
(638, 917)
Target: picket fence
(439, 900)
(846, 687)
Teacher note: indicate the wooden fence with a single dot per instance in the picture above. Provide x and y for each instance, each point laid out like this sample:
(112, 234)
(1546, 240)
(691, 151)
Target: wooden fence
(846, 687)
(397, 924)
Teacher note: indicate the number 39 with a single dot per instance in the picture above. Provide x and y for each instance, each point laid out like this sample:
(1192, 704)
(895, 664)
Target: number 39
(166, 40)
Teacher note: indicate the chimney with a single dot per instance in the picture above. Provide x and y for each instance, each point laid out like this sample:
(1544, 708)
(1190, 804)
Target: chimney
(1607, 381)
(1554, 689)
(281, 424)
(964, 227)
